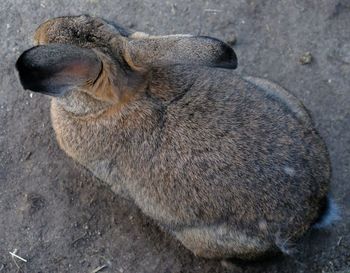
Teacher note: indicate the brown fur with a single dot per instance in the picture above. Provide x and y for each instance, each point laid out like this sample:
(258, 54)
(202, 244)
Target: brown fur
(228, 165)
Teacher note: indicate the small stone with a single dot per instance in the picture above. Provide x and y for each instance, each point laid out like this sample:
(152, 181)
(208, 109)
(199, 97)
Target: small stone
(306, 58)
(232, 40)
(344, 53)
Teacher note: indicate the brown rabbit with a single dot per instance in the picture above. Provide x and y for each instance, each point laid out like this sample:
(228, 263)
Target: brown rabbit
(231, 166)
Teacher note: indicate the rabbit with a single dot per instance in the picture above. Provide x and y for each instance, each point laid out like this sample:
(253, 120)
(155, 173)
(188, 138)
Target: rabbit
(231, 166)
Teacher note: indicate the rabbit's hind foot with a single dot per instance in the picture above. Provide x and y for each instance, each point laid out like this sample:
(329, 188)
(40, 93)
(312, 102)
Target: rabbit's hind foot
(222, 241)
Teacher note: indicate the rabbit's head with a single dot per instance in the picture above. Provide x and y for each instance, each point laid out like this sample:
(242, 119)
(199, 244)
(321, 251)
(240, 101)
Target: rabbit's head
(83, 30)
(107, 62)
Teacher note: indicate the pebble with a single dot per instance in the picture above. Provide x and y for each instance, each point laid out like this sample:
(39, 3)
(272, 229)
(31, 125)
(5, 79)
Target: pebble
(306, 58)
(344, 53)
(232, 40)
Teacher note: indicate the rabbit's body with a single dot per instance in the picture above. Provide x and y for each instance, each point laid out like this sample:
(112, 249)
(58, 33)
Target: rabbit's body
(233, 167)
(223, 164)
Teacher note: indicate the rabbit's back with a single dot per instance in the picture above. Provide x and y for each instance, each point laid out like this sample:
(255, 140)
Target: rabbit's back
(229, 151)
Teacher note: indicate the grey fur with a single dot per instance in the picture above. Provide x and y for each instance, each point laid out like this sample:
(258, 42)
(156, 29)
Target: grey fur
(222, 163)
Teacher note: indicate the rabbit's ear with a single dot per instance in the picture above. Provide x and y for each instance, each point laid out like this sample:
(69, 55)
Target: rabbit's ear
(55, 69)
(180, 49)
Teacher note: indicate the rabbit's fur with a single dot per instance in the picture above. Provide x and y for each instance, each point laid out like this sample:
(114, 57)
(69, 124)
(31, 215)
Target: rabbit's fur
(230, 166)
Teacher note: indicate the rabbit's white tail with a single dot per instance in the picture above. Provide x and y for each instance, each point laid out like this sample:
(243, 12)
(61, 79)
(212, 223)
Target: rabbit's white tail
(330, 214)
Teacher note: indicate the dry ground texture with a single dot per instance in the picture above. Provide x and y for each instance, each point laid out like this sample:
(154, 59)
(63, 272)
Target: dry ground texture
(61, 219)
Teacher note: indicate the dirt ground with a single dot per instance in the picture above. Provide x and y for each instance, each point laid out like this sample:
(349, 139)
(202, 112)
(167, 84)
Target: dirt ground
(61, 219)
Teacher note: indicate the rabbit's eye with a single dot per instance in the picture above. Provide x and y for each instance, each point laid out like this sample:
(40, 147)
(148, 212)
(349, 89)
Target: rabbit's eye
(79, 36)
(89, 37)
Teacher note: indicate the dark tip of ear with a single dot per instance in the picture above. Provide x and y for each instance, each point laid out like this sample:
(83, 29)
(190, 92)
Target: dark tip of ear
(54, 69)
(226, 56)
(229, 58)
(34, 76)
